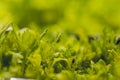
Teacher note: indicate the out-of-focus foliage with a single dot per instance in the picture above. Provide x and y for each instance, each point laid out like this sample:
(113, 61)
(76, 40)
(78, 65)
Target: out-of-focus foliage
(89, 16)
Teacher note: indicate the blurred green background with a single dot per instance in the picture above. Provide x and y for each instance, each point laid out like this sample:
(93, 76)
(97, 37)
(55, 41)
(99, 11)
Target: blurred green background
(80, 16)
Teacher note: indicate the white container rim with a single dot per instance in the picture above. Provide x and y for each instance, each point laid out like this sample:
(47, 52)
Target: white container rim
(20, 79)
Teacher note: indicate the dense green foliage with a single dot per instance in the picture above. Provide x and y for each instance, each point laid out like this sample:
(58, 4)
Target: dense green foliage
(60, 39)
(32, 54)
